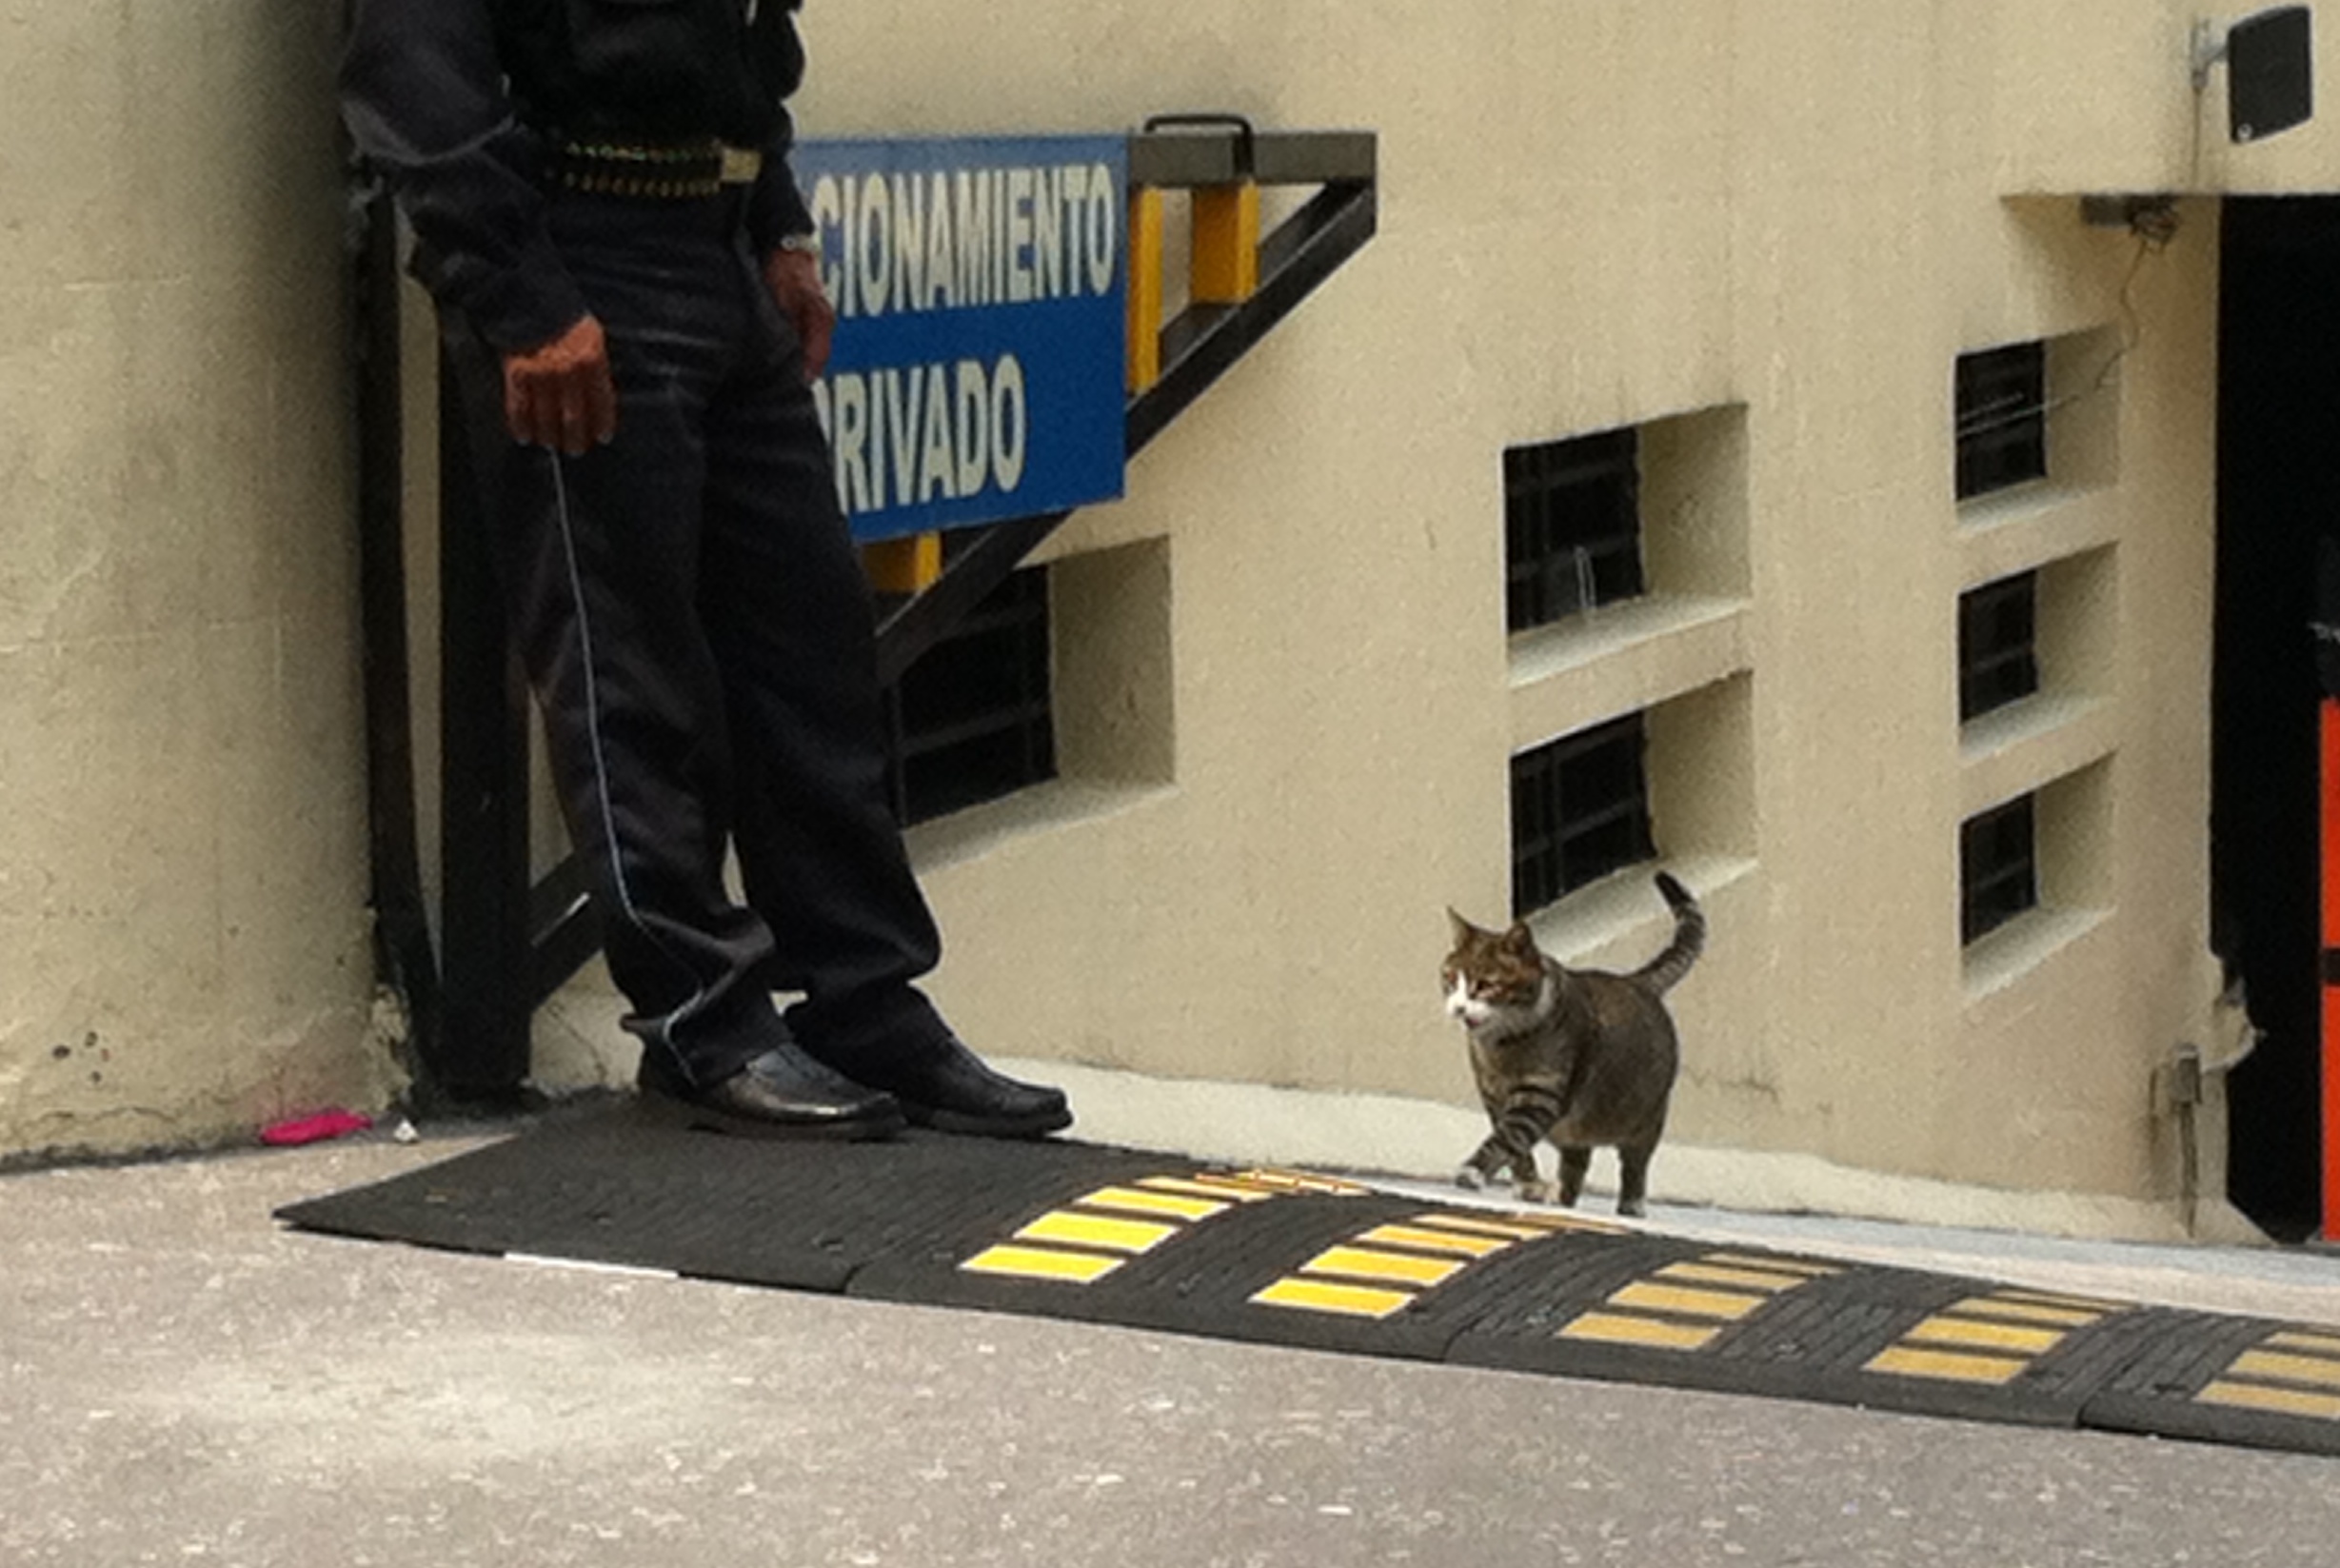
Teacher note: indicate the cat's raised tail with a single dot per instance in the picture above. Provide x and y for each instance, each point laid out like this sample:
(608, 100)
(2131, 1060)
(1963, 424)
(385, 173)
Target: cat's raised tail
(1661, 973)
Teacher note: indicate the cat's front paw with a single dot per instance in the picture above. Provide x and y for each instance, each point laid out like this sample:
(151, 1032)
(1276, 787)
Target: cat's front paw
(1539, 1192)
(1471, 1179)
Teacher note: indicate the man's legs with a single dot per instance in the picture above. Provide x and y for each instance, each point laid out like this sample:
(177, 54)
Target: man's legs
(598, 557)
(787, 611)
(692, 615)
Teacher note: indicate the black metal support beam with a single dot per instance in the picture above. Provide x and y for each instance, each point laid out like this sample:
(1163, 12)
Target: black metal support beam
(403, 958)
(1207, 339)
(911, 625)
(565, 930)
(1201, 345)
(1218, 149)
(488, 972)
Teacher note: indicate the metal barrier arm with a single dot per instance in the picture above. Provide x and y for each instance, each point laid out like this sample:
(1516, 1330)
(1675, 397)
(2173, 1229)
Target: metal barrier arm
(508, 944)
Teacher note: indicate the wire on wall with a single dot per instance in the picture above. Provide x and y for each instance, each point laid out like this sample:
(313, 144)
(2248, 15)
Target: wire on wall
(2156, 223)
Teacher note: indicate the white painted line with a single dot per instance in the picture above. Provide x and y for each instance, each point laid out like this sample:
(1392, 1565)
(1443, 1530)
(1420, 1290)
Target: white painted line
(582, 1266)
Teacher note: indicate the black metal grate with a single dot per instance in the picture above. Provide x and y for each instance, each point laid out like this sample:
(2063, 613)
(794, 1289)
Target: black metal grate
(1998, 878)
(1997, 663)
(973, 719)
(1579, 809)
(2002, 414)
(1571, 526)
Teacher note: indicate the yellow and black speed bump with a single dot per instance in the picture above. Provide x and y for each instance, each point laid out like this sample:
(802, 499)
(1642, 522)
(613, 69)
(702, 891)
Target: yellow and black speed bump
(1758, 1323)
(1151, 1240)
(2229, 1379)
(1329, 1269)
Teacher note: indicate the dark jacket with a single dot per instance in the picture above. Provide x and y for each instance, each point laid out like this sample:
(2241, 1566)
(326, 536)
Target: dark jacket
(458, 101)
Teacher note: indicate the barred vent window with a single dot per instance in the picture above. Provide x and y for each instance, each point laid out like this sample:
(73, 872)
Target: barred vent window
(2002, 413)
(1579, 809)
(973, 719)
(1571, 526)
(1998, 878)
(1997, 663)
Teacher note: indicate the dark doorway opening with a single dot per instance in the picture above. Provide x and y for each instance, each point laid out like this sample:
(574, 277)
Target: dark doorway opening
(2278, 498)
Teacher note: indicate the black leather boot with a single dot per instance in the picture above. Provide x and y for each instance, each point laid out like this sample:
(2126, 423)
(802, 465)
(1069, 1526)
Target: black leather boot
(947, 1087)
(784, 1093)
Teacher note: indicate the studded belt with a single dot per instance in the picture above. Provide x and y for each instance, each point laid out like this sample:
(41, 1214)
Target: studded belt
(658, 170)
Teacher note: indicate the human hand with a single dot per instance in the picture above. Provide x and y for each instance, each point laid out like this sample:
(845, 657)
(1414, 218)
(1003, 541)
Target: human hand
(793, 278)
(561, 395)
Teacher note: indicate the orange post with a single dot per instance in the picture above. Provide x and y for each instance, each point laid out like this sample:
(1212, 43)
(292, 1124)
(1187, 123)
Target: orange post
(2329, 804)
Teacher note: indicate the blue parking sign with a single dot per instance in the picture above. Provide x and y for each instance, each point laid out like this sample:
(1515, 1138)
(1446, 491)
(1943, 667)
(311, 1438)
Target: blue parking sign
(980, 286)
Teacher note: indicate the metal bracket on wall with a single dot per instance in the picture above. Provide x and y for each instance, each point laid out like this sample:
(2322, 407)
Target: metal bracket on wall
(507, 940)
(1197, 347)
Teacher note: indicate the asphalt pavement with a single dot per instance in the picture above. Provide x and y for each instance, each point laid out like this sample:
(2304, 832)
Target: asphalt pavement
(185, 1379)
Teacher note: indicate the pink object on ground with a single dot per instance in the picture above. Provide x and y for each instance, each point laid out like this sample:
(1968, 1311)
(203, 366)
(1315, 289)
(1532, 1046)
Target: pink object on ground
(315, 1129)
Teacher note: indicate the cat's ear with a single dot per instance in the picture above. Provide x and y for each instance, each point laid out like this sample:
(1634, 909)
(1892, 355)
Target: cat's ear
(1463, 929)
(1520, 939)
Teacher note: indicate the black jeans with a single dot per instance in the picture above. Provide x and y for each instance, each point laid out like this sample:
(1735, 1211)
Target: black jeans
(694, 620)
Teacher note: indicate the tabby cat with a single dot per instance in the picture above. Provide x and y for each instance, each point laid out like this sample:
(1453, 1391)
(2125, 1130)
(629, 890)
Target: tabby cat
(1582, 1057)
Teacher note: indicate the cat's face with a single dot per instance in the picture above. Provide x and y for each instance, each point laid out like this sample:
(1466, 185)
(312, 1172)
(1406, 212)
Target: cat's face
(1491, 974)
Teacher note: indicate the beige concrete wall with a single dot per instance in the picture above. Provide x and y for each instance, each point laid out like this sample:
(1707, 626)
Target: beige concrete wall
(183, 938)
(1786, 219)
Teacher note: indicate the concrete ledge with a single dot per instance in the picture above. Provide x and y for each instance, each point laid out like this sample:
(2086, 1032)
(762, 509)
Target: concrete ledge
(1424, 1139)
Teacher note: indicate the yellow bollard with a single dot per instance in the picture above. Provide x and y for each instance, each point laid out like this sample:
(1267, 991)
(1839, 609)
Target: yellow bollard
(909, 564)
(1226, 260)
(1145, 288)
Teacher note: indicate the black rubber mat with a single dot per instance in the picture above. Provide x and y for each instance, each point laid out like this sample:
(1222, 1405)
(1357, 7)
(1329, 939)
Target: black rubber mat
(617, 1188)
(1151, 1240)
